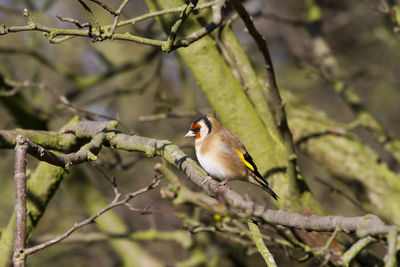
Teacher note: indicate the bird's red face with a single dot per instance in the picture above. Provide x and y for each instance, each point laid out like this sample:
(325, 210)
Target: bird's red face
(195, 127)
(194, 130)
(200, 128)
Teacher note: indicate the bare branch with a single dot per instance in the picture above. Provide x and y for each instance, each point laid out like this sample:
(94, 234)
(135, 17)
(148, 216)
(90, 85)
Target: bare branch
(172, 114)
(109, 9)
(167, 46)
(133, 21)
(91, 219)
(63, 100)
(117, 14)
(86, 153)
(217, 20)
(53, 33)
(74, 21)
(262, 248)
(100, 33)
(111, 180)
(20, 200)
(355, 249)
(390, 260)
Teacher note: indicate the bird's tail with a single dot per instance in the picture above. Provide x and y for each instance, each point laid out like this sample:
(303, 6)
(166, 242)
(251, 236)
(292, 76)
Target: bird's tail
(260, 181)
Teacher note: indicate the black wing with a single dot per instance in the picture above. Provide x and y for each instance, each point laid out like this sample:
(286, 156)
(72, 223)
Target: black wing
(257, 176)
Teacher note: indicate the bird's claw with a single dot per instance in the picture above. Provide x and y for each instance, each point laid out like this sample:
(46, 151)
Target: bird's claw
(208, 178)
(223, 183)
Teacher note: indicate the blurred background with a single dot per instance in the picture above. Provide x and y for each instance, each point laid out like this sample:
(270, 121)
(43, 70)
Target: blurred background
(138, 84)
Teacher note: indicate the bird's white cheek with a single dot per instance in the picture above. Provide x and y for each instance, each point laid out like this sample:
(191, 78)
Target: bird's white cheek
(213, 167)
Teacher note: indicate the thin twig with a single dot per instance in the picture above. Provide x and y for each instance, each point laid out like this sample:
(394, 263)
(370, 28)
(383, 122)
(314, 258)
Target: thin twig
(277, 18)
(168, 45)
(355, 249)
(338, 190)
(94, 25)
(112, 180)
(39, 57)
(331, 238)
(63, 100)
(73, 21)
(20, 201)
(109, 9)
(210, 27)
(98, 33)
(261, 247)
(12, 92)
(390, 259)
(117, 14)
(172, 115)
(91, 219)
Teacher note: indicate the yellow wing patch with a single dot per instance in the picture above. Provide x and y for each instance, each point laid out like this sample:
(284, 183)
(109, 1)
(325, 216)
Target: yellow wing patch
(241, 156)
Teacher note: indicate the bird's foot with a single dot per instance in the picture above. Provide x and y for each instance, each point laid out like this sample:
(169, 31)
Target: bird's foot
(222, 183)
(208, 178)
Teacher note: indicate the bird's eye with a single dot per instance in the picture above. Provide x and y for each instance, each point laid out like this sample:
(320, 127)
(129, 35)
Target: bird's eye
(196, 130)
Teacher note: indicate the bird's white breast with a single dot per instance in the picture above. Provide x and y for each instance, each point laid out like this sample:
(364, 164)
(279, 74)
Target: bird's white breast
(212, 165)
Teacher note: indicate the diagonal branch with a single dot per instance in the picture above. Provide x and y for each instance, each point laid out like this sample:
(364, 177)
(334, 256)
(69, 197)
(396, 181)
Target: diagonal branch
(117, 14)
(106, 7)
(168, 45)
(355, 249)
(262, 248)
(116, 202)
(217, 20)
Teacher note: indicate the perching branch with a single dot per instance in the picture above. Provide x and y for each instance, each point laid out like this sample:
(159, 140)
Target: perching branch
(74, 21)
(171, 114)
(165, 12)
(174, 155)
(391, 256)
(117, 14)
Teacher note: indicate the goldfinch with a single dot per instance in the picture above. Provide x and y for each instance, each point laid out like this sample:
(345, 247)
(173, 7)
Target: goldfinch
(222, 155)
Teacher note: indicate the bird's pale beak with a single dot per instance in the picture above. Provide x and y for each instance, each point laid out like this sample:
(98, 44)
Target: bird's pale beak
(190, 134)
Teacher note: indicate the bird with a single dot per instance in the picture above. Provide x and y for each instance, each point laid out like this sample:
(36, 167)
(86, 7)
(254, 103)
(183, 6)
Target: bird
(222, 155)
